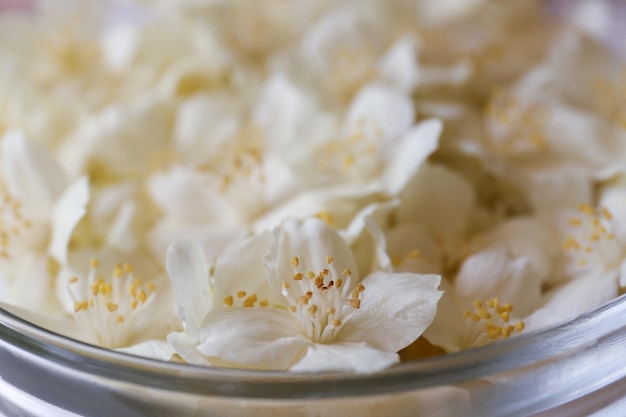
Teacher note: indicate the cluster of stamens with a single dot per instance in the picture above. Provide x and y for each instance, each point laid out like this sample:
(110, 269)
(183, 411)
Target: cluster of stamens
(341, 156)
(243, 158)
(526, 124)
(243, 299)
(12, 222)
(105, 308)
(321, 301)
(495, 319)
(411, 255)
(592, 229)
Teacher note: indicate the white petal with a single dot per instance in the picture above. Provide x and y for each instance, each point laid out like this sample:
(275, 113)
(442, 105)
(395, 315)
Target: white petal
(399, 65)
(67, 212)
(367, 239)
(440, 199)
(185, 347)
(404, 240)
(256, 338)
(311, 241)
(496, 272)
(212, 238)
(120, 232)
(153, 349)
(450, 329)
(31, 173)
(384, 109)
(556, 186)
(203, 125)
(240, 268)
(409, 152)
(348, 357)
(189, 275)
(395, 310)
(576, 297)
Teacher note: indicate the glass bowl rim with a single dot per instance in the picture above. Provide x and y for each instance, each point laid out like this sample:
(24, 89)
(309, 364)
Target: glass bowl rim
(454, 368)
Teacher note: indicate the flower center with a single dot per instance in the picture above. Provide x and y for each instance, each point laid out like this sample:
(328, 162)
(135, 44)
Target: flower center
(321, 301)
(591, 242)
(12, 223)
(241, 157)
(109, 310)
(520, 128)
(353, 155)
(494, 319)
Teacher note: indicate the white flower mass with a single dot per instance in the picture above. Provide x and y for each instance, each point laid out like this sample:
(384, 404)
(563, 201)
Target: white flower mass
(308, 186)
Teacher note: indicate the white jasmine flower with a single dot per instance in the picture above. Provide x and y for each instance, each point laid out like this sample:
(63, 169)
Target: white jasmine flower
(591, 268)
(348, 48)
(463, 323)
(320, 315)
(112, 306)
(377, 149)
(197, 292)
(39, 212)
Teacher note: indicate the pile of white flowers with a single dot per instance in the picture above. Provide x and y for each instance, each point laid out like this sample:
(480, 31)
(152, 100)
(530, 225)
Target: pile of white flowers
(308, 185)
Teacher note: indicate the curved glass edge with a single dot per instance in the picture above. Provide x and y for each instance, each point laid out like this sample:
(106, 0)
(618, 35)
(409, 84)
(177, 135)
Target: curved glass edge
(511, 354)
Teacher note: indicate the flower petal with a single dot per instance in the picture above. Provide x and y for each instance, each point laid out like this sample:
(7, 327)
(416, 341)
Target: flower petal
(255, 338)
(395, 310)
(189, 275)
(439, 198)
(399, 65)
(409, 152)
(573, 298)
(154, 349)
(389, 111)
(240, 268)
(31, 173)
(185, 347)
(349, 357)
(497, 272)
(68, 210)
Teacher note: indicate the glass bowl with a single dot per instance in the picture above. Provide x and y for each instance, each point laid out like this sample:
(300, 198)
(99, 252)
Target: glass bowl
(574, 369)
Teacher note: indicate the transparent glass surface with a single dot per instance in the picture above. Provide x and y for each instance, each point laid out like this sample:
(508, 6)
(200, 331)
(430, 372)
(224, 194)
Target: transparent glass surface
(575, 369)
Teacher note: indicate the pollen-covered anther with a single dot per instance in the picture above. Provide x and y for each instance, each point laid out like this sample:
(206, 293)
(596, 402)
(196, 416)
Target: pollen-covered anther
(495, 318)
(606, 213)
(228, 301)
(241, 294)
(312, 310)
(319, 281)
(249, 302)
(571, 243)
(586, 209)
(310, 274)
(575, 221)
(295, 261)
(298, 276)
(346, 272)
